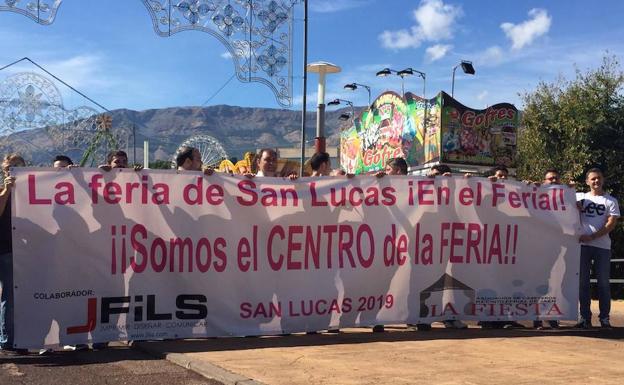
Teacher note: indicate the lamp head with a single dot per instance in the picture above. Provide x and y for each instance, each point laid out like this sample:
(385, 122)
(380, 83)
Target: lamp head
(384, 72)
(351, 86)
(334, 102)
(406, 72)
(467, 67)
(323, 67)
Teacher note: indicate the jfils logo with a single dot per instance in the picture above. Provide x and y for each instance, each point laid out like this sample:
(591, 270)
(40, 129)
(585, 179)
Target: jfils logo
(188, 307)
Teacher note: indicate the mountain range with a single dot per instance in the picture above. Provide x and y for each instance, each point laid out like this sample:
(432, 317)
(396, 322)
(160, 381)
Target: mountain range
(237, 129)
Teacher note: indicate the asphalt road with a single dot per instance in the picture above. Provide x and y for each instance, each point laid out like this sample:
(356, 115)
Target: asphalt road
(119, 364)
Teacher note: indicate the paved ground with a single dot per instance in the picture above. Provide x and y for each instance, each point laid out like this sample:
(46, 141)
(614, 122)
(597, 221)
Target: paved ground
(355, 356)
(401, 356)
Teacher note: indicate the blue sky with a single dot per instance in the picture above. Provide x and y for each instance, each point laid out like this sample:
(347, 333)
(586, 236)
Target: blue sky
(109, 50)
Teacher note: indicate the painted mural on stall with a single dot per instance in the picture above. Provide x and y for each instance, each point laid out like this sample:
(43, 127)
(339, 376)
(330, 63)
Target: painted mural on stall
(393, 127)
(480, 137)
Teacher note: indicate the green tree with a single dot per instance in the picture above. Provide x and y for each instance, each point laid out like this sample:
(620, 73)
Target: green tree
(574, 125)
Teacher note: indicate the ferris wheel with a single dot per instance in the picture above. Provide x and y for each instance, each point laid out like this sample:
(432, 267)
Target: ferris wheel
(211, 150)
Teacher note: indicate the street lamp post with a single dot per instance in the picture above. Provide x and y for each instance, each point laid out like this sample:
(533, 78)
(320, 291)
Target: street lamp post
(321, 68)
(466, 67)
(336, 102)
(354, 86)
(409, 72)
(387, 72)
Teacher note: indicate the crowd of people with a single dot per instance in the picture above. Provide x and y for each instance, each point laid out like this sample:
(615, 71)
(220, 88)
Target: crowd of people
(598, 210)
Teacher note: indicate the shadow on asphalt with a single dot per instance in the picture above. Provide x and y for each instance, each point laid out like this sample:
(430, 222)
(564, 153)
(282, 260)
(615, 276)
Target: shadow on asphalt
(354, 336)
(121, 352)
(79, 358)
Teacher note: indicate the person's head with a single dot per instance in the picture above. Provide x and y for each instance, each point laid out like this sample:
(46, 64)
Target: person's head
(12, 160)
(188, 158)
(595, 179)
(320, 163)
(266, 161)
(396, 166)
(551, 176)
(500, 172)
(117, 159)
(439, 169)
(62, 161)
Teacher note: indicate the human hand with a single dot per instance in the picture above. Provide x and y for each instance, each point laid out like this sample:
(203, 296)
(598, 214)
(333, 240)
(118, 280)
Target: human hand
(9, 182)
(586, 238)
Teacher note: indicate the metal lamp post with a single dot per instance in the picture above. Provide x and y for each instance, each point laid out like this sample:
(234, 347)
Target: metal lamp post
(387, 72)
(409, 72)
(321, 68)
(466, 67)
(336, 102)
(354, 86)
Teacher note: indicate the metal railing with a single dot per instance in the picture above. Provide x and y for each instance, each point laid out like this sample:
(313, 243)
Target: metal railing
(612, 280)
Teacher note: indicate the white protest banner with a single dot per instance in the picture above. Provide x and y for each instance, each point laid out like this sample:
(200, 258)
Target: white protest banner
(102, 256)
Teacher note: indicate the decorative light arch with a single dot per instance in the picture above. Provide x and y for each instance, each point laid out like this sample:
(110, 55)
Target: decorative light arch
(41, 11)
(256, 33)
(32, 102)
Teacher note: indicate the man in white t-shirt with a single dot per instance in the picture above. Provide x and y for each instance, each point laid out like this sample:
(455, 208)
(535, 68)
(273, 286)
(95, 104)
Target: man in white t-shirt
(599, 214)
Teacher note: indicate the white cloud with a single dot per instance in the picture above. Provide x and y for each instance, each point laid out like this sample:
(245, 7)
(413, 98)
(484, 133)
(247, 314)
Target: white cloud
(328, 6)
(437, 51)
(435, 21)
(83, 70)
(87, 72)
(492, 56)
(400, 39)
(226, 55)
(524, 33)
(482, 95)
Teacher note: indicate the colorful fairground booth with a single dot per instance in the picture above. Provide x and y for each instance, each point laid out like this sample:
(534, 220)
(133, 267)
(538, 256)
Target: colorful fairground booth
(427, 132)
